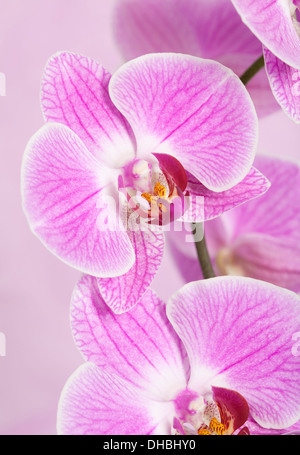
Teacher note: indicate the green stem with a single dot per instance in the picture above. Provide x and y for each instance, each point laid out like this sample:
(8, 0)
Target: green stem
(203, 256)
(252, 70)
(201, 247)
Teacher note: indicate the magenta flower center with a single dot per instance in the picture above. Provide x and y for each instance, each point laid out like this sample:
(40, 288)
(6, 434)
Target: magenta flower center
(219, 413)
(202, 417)
(152, 191)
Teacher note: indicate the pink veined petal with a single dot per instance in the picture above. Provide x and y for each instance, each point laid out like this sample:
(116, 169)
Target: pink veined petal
(67, 206)
(239, 333)
(285, 84)
(208, 29)
(94, 402)
(195, 110)
(75, 93)
(272, 23)
(139, 346)
(124, 292)
(206, 204)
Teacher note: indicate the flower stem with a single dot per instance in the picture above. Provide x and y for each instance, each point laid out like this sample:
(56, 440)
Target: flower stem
(201, 247)
(203, 255)
(252, 70)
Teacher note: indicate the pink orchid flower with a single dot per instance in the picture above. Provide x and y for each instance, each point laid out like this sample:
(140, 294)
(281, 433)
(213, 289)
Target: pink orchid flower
(260, 239)
(209, 29)
(222, 353)
(121, 148)
(276, 23)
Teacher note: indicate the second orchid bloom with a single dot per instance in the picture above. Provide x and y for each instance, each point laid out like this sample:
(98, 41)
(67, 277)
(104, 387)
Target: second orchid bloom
(220, 358)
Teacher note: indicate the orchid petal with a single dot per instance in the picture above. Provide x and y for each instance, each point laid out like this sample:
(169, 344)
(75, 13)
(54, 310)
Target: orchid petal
(208, 29)
(206, 204)
(66, 202)
(94, 402)
(239, 333)
(75, 93)
(124, 292)
(195, 110)
(271, 21)
(285, 84)
(139, 346)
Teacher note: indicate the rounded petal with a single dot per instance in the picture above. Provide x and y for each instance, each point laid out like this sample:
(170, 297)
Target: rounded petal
(239, 333)
(195, 110)
(272, 23)
(208, 29)
(64, 190)
(75, 92)
(94, 402)
(124, 292)
(139, 346)
(285, 84)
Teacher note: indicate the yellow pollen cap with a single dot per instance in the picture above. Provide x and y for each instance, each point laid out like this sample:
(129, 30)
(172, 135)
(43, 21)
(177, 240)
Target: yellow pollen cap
(147, 196)
(159, 190)
(216, 426)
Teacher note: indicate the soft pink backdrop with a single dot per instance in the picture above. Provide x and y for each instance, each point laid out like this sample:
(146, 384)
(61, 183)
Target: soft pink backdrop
(35, 287)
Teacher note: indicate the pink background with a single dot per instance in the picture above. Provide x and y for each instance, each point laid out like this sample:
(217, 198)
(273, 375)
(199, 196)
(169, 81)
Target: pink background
(35, 287)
